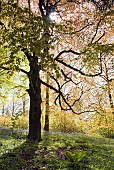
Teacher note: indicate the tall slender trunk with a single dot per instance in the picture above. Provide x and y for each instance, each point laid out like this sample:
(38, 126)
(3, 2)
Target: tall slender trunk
(35, 101)
(23, 105)
(46, 126)
(3, 110)
(13, 108)
(110, 97)
(110, 100)
(109, 87)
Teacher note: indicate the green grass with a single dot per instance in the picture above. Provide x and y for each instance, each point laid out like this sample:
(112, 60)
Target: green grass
(56, 152)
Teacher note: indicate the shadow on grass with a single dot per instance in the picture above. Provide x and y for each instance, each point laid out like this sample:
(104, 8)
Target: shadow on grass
(20, 157)
(25, 155)
(55, 152)
(6, 132)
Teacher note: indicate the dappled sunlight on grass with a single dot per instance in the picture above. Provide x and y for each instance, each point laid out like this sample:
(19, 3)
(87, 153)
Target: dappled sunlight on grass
(56, 151)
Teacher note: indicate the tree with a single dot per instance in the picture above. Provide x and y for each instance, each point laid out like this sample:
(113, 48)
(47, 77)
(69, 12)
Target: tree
(108, 77)
(27, 28)
(46, 125)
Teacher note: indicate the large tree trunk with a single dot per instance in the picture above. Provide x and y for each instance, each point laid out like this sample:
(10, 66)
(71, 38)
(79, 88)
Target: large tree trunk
(35, 101)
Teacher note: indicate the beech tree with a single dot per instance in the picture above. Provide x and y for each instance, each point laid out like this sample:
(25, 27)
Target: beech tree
(75, 35)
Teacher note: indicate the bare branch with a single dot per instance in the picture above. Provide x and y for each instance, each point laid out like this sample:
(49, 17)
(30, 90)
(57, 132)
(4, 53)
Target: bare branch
(67, 51)
(56, 2)
(75, 69)
(69, 78)
(60, 95)
(110, 80)
(62, 98)
(97, 28)
(4, 68)
(49, 86)
(24, 71)
(82, 28)
(100, 38)
(74, 32)
(102, 4)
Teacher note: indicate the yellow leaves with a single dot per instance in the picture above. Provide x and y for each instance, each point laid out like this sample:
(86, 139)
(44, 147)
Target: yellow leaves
(64, 122)
(102, 121)
(21, 122)
(5, 121)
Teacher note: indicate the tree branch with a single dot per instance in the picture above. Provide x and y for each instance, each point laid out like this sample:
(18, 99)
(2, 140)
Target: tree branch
(102, 4)
(67, 51)
(69, 78)
(75, 69)
(4, 68)
(74, 32)
(41, 3)
(49, 86)
(62, 98)
(99, 38)
(27, 54)
(96, 30)
(27, 73)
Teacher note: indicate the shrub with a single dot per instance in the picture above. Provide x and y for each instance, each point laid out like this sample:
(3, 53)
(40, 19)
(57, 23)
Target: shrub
(76, 160)
(107, 132)
(5, 121)
(64, 122)
(20, 122)
(102, 123)
(16, 122)
(23, 122)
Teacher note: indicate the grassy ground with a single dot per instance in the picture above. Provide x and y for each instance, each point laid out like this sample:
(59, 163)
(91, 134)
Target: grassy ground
(56, 152)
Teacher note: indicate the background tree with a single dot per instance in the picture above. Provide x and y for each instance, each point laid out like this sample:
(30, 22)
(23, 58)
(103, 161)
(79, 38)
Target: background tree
(46, 125)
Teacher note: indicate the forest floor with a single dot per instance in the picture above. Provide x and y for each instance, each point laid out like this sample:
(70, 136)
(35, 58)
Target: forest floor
(55, 152)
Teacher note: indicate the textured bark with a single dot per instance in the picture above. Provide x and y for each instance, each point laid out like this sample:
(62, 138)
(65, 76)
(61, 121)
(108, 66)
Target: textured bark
(35, 101)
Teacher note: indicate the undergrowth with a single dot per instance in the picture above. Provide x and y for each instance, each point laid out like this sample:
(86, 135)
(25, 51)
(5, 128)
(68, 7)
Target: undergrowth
(55, 152)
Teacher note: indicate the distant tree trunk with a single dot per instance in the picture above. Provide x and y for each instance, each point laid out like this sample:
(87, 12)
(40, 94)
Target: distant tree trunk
(3, 110)
(35, 100)
(46, 126)
(110, 97)
(110, 100)
(0, 6)
(13, 108)
(108, 86)
(23, 105)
